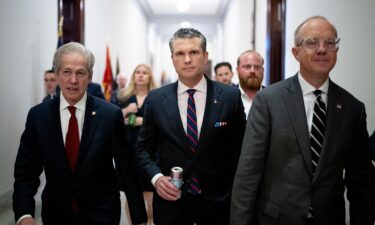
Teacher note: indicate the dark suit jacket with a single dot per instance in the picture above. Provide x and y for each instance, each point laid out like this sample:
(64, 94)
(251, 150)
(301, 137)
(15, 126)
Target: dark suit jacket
(162, 136)
(274, 183)
(95, 89)
(372, 145)
(93, 183)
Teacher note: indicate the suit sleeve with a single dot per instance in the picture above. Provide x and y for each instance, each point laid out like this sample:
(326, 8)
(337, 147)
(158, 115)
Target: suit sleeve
(123, 156)
(146, 144)
(251, 164)
(360, 177)
(237, 131)
(27, 169)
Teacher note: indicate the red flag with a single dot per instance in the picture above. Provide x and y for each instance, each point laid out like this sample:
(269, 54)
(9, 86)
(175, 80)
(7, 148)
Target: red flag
(108, 78)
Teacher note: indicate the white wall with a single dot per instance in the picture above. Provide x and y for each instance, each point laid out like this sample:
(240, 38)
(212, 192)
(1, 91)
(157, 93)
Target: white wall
(121, 25)
(261, 31)
(354, 22)
(237, 31)
(28, 40)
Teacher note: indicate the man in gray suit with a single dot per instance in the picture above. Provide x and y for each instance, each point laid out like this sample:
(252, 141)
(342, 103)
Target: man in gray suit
(287, 175)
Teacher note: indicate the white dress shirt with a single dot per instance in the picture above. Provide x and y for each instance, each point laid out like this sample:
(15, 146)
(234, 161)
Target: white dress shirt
(309, 97)
(199, 98)
(246, 101)
(65, 114)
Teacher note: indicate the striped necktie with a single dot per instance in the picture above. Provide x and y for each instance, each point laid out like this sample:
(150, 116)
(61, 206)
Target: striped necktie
(317, 129)
(192, 137)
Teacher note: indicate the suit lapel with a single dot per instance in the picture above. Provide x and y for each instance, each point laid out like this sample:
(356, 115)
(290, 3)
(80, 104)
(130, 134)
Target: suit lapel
(334, 115)
(92, 116)
(55, 136)
(295, 105)
(170, 107)
(211, 112)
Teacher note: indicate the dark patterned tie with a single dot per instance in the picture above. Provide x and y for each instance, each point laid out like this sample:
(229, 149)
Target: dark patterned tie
(317, 129)
(192, 136)
(72, 147)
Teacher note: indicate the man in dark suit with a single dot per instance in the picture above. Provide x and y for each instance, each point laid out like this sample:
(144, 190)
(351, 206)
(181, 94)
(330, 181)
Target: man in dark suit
(294, 155)
(74, 138)
(224, 73)
(372, 147)
(95, 89)
(206, 145)
(50, 84)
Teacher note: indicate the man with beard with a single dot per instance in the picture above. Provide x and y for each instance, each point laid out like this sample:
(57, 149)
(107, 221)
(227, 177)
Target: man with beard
(250, 74)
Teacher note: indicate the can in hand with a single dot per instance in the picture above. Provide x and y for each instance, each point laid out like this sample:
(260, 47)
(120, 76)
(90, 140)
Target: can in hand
(176, 178)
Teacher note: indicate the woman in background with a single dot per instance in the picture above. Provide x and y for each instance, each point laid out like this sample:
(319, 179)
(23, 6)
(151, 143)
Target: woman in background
(131, 101)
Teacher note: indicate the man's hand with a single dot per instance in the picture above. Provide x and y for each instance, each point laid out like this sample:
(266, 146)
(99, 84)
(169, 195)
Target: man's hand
(166, 189)
(27, 221)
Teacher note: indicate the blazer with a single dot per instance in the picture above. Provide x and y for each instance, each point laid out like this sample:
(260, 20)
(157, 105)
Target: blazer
(162, 143)
(372, 146)
(93, 183)
(274, 183)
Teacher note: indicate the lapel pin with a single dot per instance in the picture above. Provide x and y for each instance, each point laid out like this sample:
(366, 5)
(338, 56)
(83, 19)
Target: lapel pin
(215, 101)
(338, 106)
(93, 113)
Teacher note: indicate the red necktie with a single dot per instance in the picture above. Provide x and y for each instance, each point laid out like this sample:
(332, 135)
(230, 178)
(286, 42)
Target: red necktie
(72, 147)
(72, 139)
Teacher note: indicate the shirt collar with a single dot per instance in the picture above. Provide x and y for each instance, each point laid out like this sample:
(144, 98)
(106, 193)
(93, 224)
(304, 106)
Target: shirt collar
(201, 86)
(243, 92)
(81, 104)
(308, 88)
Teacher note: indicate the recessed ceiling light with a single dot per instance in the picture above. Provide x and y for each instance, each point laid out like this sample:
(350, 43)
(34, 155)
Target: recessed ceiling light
(183, 6)
(185, 24)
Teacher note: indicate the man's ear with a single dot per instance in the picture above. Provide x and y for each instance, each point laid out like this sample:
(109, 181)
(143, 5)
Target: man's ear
(296, 53)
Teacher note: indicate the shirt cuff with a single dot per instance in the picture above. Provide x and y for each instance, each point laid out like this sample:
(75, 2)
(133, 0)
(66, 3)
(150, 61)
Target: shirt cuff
(153, 180)
(23, 217)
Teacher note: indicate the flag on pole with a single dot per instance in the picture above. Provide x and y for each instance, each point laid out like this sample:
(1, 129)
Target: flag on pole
(114, 83)
(60, 40)
(107, 78)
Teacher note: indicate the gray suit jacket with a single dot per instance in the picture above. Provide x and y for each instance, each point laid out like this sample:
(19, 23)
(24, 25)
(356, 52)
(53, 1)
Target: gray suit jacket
(274, 183)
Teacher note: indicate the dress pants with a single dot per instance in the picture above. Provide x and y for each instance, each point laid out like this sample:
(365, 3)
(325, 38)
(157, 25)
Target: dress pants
(200, 211)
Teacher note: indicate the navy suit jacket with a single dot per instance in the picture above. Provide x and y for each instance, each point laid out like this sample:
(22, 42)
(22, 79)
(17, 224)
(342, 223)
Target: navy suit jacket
(93, 183)
(162, 137)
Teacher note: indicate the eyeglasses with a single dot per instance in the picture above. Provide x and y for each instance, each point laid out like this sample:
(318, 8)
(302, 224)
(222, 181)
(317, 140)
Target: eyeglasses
(314, 43)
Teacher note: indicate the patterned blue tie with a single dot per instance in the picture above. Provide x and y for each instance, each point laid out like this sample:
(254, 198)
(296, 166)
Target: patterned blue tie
(192, 136)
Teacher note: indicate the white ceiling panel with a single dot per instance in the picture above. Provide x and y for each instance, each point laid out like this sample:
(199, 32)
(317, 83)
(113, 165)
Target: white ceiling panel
(197, 7)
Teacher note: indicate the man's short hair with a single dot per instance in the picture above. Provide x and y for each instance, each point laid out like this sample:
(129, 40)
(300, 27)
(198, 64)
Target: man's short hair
(220, 64)
(188, 33)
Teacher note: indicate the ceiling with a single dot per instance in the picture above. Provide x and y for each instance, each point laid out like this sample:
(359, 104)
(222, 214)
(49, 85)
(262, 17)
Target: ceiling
(202, 14)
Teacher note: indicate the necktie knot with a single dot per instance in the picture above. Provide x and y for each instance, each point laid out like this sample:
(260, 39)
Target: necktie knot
(317, 93)
(72, 110)
(191, 92)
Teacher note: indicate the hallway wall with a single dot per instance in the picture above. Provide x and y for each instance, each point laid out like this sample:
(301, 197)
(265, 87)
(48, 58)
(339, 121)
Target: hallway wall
(123, 27)
(354, 69)
(27, 42)
(237, 31)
